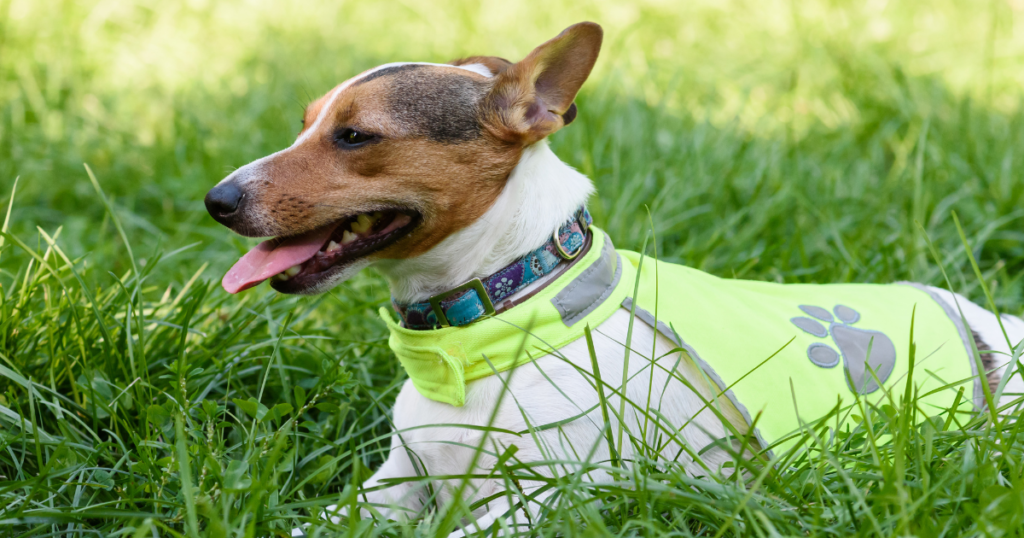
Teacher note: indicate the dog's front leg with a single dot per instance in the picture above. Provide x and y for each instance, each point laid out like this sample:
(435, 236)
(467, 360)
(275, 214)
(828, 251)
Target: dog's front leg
(391, 493)
(515, 521)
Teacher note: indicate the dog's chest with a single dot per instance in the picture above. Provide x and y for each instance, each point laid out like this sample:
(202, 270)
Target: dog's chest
(550, 409)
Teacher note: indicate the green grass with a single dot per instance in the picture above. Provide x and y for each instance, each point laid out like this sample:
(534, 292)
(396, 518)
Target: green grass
(809, 141)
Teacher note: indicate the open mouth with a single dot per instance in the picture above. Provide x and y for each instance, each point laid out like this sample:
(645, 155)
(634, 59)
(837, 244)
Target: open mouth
(302, 262)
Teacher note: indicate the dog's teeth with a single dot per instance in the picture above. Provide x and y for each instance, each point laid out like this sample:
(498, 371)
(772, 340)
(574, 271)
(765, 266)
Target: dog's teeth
(362, 224)
(279, 277)
(332, 246)
(347, 237)
(293, 270)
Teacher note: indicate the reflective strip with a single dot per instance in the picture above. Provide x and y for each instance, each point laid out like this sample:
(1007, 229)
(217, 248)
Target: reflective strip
(587, 291)
(667, 332)
(966, 339)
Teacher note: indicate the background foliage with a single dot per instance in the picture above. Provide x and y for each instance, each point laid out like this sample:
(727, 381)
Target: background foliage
(814, 141)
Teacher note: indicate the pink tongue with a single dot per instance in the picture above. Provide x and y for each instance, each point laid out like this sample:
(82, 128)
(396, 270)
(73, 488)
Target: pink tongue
(270, 258)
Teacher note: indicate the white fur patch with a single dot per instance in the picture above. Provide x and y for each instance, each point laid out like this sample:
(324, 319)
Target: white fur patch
(477, 68)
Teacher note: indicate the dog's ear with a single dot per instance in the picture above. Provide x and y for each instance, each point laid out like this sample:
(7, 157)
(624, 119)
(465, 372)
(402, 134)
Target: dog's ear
(534, 98)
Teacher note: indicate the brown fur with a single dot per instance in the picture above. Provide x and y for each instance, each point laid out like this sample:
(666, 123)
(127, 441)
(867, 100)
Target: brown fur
(446, 140)
(988, 362)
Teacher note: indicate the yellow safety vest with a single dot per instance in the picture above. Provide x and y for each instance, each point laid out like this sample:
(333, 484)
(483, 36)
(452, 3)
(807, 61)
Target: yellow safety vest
(826, 343)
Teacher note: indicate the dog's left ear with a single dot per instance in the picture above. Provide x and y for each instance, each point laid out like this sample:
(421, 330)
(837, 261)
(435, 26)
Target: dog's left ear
(533, 98)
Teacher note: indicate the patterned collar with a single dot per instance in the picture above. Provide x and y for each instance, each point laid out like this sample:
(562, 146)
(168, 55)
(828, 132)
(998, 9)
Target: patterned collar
(475, 299)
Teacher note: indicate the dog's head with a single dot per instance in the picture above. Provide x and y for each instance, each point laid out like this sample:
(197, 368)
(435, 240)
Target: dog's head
(391, 162)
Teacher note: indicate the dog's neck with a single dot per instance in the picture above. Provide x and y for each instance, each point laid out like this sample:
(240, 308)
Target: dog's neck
(542, 192)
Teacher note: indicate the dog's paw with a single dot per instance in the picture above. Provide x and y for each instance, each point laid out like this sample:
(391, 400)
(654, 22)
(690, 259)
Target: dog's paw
(864, 373)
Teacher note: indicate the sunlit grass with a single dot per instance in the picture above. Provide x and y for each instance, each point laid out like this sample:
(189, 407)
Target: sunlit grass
(790, 141)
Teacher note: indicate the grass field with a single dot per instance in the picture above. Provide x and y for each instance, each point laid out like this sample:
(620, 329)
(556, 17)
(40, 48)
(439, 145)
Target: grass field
(812, 141)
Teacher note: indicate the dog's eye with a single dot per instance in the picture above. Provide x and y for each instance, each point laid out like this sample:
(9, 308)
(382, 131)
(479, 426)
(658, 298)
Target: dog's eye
(352, 138)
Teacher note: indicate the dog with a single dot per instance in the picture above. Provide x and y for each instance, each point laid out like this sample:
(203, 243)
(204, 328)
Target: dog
(515, 312)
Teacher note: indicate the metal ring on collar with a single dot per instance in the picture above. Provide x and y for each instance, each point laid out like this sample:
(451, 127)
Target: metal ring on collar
(561, 250)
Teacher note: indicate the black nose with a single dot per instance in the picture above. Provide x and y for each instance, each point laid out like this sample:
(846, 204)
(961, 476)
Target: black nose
(222, 202)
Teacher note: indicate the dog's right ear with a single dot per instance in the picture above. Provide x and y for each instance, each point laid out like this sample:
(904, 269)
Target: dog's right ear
(534, 98)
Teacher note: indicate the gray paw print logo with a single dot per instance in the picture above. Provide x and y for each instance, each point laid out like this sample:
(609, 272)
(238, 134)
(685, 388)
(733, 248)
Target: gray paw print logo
(853, 344)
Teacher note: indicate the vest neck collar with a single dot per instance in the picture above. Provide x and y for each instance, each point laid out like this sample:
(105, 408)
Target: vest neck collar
(441, 362)
(475, 299)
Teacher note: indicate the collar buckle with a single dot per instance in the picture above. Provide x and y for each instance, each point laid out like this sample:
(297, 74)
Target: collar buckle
(476, 285)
